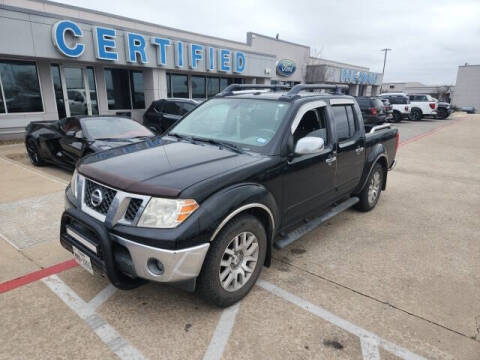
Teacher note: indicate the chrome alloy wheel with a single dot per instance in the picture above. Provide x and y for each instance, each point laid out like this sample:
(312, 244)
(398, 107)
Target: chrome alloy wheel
(238, 261)
(374, 187)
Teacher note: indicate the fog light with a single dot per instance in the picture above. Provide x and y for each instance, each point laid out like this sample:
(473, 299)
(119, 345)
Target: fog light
(155, 267)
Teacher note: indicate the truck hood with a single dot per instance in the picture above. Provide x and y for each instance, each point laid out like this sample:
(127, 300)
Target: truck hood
(160, 166)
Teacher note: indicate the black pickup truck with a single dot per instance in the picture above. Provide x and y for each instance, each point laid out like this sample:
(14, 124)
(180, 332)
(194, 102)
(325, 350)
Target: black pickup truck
(203, 205)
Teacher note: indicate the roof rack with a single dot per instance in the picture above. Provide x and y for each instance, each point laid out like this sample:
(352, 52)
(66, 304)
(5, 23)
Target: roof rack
(301, 87)
(238, 87)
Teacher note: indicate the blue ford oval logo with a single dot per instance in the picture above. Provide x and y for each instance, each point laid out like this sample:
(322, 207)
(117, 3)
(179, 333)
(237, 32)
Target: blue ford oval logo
(285, 67)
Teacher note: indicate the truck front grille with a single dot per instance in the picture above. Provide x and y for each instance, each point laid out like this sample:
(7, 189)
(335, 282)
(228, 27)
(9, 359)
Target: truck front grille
(132, 209)
(93, 201)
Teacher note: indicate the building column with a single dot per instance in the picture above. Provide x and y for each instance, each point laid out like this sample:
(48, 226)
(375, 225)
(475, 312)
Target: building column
(155, 85)
(353, 89)
(48, 92)
(368, 90)
(102, 99)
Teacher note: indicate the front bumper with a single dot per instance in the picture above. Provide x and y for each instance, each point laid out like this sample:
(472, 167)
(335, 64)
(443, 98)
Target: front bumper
(123, 260)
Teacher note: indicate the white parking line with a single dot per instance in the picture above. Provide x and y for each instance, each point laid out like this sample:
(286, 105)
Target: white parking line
(86, 312)
(370, 350)
(370, 341)
(222, 333)
(102, 296)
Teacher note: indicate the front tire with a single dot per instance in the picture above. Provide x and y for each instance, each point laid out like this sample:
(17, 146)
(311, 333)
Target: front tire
(371, 192)
(33, 153)
(234, 261)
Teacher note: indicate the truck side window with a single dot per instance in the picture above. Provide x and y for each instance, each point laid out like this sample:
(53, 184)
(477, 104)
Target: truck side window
(342, 126)
(312, 124)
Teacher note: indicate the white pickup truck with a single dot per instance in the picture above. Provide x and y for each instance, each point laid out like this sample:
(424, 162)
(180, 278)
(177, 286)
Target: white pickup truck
(422, 105)
(400, 105)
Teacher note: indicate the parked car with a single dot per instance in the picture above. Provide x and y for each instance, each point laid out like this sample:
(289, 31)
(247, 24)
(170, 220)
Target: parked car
(444, 110)
(373, 110)
(400, 105)
(468, 109)
(204, 204)
(422, 105)
(388, 108)
(63, 142)
(162, 114)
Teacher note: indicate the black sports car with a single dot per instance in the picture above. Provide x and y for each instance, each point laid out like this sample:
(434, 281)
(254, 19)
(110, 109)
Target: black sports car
(63, 142)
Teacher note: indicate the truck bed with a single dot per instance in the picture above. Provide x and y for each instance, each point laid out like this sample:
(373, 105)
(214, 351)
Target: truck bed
(382, 134)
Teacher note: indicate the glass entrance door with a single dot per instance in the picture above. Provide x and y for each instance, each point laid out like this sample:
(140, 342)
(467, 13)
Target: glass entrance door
(76, 93)
(75, 90)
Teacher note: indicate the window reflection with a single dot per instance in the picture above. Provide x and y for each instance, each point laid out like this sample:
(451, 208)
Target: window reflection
(138, 96)
(179, 86)
(57, 87)
(20, 86)
(198, 87)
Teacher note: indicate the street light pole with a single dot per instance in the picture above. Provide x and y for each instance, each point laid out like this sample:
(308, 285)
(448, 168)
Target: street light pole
(384, 62)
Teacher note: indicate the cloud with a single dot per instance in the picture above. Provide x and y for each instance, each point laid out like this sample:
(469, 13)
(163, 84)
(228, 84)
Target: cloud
(429, 38)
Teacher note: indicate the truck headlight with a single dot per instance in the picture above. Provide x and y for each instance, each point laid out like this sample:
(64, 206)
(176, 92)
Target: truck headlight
(73, 183)
(166, 213)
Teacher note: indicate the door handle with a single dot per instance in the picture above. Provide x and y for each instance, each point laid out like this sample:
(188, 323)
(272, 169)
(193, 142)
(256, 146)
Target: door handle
(359, 150)
(331, 160)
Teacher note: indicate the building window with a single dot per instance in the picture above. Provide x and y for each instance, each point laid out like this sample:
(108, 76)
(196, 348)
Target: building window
(138, 96)
(223, 83)
(179, 86)
(198, 87)
(20, 87)
(124, 89)
(58, 89)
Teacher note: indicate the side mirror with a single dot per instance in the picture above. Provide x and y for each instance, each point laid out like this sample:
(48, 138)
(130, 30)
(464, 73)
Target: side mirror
(309, 145)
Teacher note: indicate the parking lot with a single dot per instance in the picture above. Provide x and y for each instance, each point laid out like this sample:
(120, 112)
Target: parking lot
(401, 281)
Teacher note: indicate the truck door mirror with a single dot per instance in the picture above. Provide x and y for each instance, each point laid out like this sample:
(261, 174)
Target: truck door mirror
(309, 145)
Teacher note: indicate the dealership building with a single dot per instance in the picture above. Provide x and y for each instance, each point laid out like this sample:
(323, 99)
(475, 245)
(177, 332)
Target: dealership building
(58, 60)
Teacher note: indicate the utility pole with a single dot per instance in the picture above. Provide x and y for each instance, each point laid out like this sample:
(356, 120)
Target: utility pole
(384, 62)
(385, 59)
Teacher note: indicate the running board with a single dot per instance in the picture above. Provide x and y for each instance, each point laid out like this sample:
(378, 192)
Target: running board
(313, 224)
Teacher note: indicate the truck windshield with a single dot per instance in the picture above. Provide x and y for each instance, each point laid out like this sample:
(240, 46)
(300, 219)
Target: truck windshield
(247, 122)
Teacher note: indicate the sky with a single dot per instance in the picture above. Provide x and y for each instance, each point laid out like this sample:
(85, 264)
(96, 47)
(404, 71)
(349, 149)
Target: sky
(428, 38)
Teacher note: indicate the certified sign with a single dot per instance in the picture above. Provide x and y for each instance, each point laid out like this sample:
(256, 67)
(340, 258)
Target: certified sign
(285, 67)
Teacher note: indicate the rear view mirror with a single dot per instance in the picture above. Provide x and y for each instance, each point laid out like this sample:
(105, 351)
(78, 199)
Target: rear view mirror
(309, 145)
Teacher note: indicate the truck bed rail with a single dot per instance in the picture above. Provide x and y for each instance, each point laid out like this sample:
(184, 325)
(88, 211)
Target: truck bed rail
(380, 127)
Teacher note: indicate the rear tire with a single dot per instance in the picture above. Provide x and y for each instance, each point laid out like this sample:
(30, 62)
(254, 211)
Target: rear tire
(416, 114)
(442, 114)
(234, 261)
(397, 117)
(370, 194)
(33, 153)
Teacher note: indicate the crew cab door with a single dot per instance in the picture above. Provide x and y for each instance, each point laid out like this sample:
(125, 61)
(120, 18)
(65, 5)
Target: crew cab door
(350, 147)
(72, 143)
(308, 184)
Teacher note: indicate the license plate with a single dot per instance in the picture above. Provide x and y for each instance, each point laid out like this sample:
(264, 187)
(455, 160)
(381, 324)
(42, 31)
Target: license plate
(82, 259)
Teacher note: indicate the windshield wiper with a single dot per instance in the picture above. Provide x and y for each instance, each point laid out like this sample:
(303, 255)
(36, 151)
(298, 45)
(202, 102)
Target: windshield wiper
(227, 145)
(114, 139)
(182, 137)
